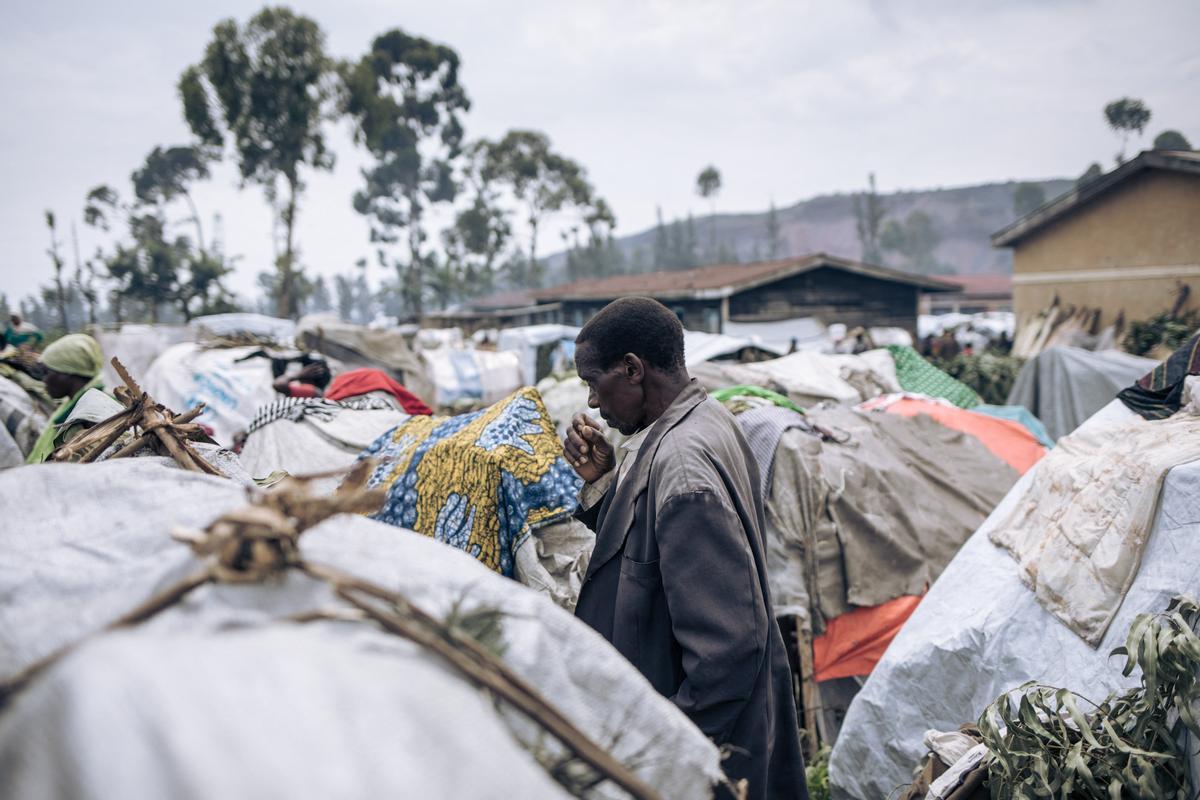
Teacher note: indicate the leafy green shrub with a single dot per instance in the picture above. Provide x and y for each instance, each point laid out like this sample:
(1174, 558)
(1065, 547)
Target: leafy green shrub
(1166, 329)
(989, 374)
(1128, 746)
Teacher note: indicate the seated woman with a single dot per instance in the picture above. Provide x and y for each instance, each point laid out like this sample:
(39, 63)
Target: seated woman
(72, 366)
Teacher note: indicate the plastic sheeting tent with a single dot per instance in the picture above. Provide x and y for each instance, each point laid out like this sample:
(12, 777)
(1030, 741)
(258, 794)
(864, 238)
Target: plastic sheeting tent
(1063, 386)
(220, 696)
(699, 346)
(358, 346)
(137, 346)
(980, 631)
(273, 328)
(806, 332)
(187, 374)
(541, 349)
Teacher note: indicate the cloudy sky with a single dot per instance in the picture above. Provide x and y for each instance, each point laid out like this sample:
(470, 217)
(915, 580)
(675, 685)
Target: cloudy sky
(789, 98)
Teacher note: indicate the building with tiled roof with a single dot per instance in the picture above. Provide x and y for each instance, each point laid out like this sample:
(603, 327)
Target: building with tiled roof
(832, 289)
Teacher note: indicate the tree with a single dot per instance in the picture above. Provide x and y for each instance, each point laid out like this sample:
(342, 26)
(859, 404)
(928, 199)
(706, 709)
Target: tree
(481, 230)
(708, 186)
(915, 239)
(662, 243)
(868, 221)
(1027, 197)
(599, 256)
(59, 292)
(1125, 116)
(774, 245)
(168, 174)
(265, 88)
(1171, 140)
(405, 99)
(1089, 175)
(539, 180)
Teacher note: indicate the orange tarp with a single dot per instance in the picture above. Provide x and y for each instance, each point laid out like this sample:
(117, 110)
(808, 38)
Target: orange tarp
(854, 642)
(1009, 441)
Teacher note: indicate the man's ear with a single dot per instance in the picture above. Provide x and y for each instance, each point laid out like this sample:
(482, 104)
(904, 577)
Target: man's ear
(634, 368)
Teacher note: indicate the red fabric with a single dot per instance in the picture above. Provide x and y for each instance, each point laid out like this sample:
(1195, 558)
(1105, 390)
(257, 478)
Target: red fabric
(298, 389)
(362, 381)
(854, 642)
(1009, 441)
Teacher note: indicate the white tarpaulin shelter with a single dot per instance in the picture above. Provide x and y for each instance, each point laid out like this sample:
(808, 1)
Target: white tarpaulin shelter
(279, 330)
(470, 378)
(137, 346)
(806, 332)
(220, 696)
(699, 346)
(186, 374)
(1063, 386)
(981, 631)
(527, 341)
(808, 377)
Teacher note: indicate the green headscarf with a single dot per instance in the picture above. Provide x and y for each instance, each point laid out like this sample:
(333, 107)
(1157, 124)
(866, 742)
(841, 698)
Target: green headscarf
(75, 354)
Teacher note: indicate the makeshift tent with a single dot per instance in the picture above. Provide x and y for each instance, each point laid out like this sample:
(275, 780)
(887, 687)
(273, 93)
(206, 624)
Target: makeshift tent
(480, 482)
(258, 326)
(1019, 414)
(21, 422)
(230, 694)
(699, 347)
(542, 350)
(187, 374)
(915, 374)
(463, 380)
(357, 346)
(136, 346)
(805, 332)
(981, 631)
(808, 377)
(1009, 441)
(1063, 386)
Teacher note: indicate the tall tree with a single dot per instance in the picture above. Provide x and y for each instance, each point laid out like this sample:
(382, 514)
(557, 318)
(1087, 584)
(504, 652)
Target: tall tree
(405, 99)
(1125, 116)
(662, 242)
(481, 230)
(1090, 174)
(1171, 140)
(168, 174)
(1027, 197)
(774, 244)
(915, 239)
(265, 87)
(708, 186)
(60, 292)
(539, 180)
(868, 221)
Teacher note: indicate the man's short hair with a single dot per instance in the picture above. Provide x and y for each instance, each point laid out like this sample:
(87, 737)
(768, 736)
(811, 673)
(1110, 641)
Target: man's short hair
(635, 325)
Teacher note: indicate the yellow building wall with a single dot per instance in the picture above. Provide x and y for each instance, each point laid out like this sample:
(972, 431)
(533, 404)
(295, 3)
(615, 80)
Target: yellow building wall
(1132, 237)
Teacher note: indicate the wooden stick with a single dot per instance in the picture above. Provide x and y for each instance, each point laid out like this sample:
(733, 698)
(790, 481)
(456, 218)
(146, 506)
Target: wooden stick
(146, 438)
(808, 687)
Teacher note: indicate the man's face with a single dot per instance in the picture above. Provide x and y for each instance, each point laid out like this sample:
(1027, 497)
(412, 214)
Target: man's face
(615, 392)
(59, 384)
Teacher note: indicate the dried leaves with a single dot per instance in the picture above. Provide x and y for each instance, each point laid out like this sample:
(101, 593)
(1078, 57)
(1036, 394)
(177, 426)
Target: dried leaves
(1043, 744)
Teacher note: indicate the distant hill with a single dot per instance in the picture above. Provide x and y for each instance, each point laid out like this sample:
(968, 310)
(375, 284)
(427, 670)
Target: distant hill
(965, 218)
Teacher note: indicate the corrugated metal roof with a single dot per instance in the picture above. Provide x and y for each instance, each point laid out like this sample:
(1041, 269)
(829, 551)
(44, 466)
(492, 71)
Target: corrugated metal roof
(722, 280)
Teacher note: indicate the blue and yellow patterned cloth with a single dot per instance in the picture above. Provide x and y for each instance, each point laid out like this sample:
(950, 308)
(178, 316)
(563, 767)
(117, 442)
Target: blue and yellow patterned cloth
(479, 482)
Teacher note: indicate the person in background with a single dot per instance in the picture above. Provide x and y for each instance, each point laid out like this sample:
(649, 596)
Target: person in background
(310, 382)
(678, 577)
(72, 365)
(21, 334)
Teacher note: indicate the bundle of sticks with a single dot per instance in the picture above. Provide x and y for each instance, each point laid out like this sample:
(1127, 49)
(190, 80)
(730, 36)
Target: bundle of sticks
(153, 425)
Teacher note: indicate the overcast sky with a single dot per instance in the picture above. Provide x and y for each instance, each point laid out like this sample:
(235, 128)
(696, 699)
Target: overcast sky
(787, 98)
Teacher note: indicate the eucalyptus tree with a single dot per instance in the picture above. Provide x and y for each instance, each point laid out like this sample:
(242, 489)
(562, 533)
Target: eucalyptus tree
(265, 89)
(405, 99)
(708, 186)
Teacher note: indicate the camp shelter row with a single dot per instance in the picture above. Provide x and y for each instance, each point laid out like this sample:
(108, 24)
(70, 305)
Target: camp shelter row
(708, 299)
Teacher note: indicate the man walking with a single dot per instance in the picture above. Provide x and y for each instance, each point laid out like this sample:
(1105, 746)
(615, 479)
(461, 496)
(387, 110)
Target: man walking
(677, 581)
